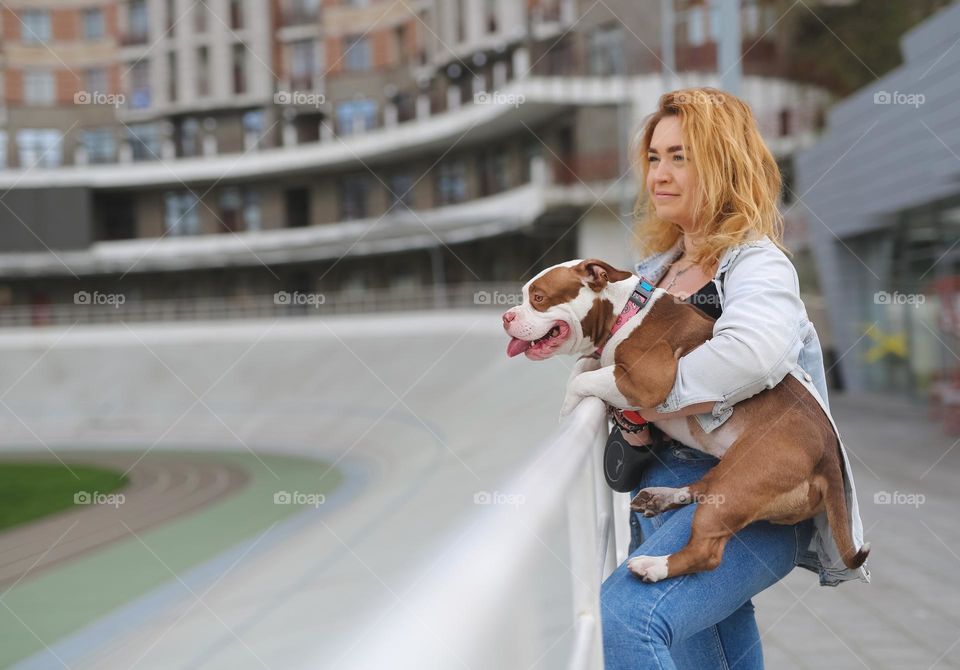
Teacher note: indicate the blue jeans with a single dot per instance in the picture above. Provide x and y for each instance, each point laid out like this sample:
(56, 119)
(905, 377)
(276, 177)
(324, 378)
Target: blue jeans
(700, 621)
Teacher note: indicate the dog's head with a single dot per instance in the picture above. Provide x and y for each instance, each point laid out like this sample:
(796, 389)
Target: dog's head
(564, 310)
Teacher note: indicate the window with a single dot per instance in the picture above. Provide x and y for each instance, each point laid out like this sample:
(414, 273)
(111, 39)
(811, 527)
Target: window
(36, 26)
(354, 190)
(144, 140)
(137, 19)
(93, 27)
(190, 138)
(605, 51)
(96, 81)
(200, 11)
(230, 206)
(695, 28)
(356, 55)
(356, 116)
(203, 72)
(236, 14)
(251, 209)
(400, 44)
(39, 147)
(139, 74)
(3, 149)
(38, 87)
(451, 183)
(460, 17)
(100, 143)
(180, 213)
(401, 191)
(172, 76)
(491, 12)
(239, 69)
(492, 172)
(302, 68)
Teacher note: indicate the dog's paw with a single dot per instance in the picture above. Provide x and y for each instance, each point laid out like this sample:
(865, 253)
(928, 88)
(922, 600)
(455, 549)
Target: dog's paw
(570, 403)
(648, 568)
(656, 499)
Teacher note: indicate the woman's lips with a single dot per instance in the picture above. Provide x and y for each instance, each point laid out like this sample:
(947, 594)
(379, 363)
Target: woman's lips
(664, 196)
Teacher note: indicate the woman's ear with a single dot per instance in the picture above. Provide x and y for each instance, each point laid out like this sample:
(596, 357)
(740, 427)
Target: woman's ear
(598, 273)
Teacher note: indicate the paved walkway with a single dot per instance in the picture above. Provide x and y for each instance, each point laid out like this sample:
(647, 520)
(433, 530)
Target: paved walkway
(908, 617)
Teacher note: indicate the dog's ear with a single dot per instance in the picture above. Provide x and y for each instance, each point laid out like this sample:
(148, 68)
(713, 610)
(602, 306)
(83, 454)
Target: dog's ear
(598, 273)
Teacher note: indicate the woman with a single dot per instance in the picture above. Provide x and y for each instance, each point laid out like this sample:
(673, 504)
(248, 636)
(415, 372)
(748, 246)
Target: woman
(712, 226)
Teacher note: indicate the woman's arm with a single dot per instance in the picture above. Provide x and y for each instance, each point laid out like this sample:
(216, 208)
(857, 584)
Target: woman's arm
(756, 341)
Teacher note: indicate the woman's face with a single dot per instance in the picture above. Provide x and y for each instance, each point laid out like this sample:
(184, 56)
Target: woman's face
(671, 178)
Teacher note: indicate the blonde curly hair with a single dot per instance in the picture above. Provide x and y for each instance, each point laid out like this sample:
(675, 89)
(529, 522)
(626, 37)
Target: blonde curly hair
(739, 180)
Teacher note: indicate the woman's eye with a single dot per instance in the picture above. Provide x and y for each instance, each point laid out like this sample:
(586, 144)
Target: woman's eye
(652, 159)
(678, 158)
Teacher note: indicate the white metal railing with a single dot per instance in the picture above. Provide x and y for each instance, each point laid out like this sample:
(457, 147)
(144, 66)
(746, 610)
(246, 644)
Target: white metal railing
(106, 307)
(475, 608)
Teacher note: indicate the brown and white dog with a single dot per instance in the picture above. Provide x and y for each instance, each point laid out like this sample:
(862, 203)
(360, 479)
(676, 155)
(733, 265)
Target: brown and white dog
(765, 471)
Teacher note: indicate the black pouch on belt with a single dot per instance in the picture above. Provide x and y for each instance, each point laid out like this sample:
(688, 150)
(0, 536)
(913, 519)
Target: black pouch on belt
(623, 463)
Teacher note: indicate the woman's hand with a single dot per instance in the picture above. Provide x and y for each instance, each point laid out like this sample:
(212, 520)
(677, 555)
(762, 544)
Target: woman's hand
(638, 439)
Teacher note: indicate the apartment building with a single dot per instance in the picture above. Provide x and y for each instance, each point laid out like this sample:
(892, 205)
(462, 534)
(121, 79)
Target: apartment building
(228, 148)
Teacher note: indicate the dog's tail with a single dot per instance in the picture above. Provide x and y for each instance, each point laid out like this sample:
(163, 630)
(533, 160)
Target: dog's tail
(836, 507)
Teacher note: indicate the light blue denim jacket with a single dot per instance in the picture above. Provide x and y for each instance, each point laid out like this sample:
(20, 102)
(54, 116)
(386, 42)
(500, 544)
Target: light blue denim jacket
(762, 335)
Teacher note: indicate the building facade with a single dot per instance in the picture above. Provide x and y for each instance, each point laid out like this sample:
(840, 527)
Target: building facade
(881, 194)
(222, 149)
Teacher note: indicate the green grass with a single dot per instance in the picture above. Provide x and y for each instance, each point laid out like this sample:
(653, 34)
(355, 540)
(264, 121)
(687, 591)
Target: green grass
(29, 491)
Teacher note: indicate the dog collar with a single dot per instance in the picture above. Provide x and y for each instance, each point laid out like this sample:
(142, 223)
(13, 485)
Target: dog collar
(638, 298)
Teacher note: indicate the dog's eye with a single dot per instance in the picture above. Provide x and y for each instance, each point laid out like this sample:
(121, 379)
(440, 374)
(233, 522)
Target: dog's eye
(538, 298)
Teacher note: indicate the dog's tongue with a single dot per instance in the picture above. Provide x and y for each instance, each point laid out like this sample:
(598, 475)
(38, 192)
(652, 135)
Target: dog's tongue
(517, 346)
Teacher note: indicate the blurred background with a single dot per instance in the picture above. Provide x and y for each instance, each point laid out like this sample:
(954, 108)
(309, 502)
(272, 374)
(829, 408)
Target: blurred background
(252, 259)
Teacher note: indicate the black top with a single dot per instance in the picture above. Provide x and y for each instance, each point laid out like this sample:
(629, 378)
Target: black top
(707, 300)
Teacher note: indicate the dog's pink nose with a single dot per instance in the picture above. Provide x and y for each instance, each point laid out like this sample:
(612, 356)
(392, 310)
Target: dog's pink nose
(508, 316)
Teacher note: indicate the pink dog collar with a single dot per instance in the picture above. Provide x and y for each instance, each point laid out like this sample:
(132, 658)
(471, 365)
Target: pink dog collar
(640, 296)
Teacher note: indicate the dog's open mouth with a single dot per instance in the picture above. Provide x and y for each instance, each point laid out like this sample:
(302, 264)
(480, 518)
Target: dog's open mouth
(542, 346)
